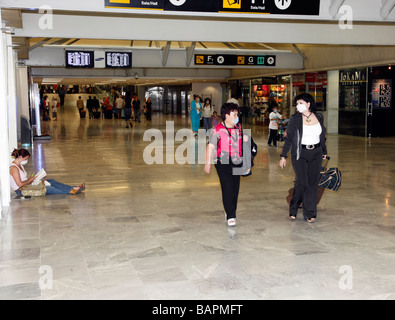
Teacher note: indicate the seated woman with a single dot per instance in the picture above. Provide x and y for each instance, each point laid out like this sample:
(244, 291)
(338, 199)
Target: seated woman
(19, 178)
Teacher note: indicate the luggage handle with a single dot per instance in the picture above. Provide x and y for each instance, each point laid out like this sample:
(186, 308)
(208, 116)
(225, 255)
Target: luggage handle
(327, 161)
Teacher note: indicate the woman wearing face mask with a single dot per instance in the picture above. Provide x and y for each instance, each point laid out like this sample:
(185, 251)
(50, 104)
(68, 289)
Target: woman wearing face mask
(207, 112)
(306, 138)
(196, 109)
(19, 178)
(226, 142)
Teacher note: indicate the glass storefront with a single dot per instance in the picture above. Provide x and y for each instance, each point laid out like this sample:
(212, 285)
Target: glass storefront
(314, 83)
(353, 86)
(268, 91)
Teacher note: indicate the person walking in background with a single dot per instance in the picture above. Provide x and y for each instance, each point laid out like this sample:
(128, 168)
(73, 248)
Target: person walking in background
(55, 105)
(207, 112)
(89, 106)
(226, 141)
(128, 110)
(215, 119)
(96, 104)
(80, 104)
(196, 109)
(62, 94)
(274, 118)
(148, 109)
(136, 108)
(45, 108)
(119, 104)
(306, 137)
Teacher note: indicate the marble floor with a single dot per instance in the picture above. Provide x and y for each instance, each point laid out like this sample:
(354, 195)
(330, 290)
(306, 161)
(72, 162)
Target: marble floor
(157, 232)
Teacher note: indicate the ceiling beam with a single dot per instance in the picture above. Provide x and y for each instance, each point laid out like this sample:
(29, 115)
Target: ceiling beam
(165, 53)
(39, 44)
(121, 28)
(190, 52)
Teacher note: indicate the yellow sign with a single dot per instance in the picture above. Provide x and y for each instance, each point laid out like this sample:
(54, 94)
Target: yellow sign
(120, 1)
(199, 59)
(232, 4)
(241, 60)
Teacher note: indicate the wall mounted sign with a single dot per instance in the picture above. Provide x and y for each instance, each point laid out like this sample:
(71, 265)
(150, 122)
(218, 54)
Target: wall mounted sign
(288, 7)
(382, 94)
(235, 60)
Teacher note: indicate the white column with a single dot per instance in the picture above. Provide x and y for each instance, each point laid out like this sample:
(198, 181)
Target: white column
(4, 148)
(23, 94)
(12, 109)
(333, 102)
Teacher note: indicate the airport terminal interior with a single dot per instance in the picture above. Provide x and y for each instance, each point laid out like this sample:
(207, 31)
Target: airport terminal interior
(157, 231)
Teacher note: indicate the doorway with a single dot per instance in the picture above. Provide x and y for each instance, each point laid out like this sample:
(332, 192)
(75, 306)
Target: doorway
(381, 111)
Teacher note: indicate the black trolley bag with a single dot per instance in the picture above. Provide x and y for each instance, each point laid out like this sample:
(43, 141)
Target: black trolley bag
(330, 179)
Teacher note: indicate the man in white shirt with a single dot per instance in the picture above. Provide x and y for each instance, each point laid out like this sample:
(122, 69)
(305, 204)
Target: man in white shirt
(274, 117)
(120, 104)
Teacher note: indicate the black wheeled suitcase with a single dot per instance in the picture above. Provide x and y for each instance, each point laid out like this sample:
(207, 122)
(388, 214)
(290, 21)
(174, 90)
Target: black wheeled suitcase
(108, 114)
(97, 114)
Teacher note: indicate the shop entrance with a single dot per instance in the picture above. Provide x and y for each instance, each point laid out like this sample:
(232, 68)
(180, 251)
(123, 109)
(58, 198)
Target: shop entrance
(381, 111)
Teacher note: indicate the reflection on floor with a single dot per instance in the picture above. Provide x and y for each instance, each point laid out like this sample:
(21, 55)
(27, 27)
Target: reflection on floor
(157, 231)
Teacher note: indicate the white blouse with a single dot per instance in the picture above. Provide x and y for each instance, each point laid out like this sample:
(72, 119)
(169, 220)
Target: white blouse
(22, 174)
(311, 134)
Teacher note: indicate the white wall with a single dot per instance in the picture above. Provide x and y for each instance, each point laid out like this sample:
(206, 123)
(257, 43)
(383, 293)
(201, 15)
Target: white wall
(333, 102)
(206, 89)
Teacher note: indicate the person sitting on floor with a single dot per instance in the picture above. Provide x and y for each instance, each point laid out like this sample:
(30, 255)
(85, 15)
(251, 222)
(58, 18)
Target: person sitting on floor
(19, 177)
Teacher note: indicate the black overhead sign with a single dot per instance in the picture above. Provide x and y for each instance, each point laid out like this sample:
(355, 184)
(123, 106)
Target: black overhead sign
(80, 59)
(288, 7)
(119, 60)
(235, 60)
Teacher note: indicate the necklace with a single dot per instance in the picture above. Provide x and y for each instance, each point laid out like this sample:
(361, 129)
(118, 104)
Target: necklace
(230, 134)
(308, 120)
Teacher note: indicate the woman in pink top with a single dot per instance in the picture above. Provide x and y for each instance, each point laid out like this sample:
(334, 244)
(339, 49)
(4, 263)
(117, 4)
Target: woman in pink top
(226, 141)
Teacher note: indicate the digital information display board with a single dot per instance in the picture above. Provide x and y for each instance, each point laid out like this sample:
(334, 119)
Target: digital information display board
(118, 60)
(288, 7)
(98, 59)
(80, 59)
(235, 60)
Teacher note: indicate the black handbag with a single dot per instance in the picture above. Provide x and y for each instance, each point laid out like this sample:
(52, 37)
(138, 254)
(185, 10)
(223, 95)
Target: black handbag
(248, 157)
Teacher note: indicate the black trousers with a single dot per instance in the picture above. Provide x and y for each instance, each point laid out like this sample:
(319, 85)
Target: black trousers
(307, 175)
(230, 186)
(273, 137)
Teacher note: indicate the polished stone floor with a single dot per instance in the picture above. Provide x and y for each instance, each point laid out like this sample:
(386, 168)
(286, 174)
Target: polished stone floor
(157, 231)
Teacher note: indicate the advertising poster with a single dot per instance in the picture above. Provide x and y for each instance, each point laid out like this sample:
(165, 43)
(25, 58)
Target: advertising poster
(382, 94)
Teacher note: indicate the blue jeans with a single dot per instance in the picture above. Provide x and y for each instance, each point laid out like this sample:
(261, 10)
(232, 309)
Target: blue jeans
(58, 188)
(207, 123)
(136, 114)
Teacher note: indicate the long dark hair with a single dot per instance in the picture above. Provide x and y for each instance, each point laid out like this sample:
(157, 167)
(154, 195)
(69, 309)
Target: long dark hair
(309, 99)
(21, 152)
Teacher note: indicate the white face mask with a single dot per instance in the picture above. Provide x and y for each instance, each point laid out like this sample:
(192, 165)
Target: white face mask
(301, 107)
(25, 162)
